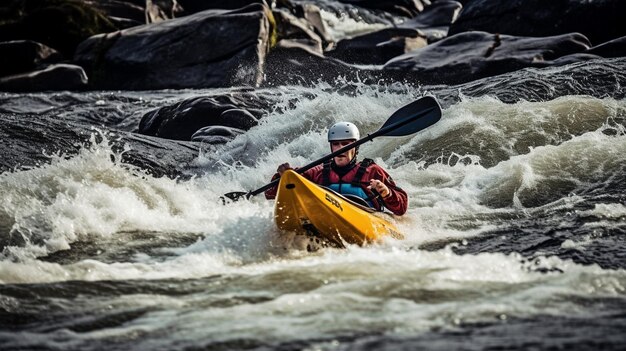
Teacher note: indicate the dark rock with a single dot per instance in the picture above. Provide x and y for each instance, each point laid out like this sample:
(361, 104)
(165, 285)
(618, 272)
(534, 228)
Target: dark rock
(472, 55)
(216, 134)
(158, 157)
(433, 34)
(289, 26)
(54, 77)
(59, 24)
(440, 13)
(290, 63)
(194, 6)
(599, 78)
(121, 9)
(24, 55)
(613, 48)
(162, 10)
(141, 3)
(378, 47)
(123, 23)
(243, 118)
(573, 58)
(181, 120)
(435, 20)
(27, 145)
(312, 14)
(598, 20)
(213, 48)
(309, 45)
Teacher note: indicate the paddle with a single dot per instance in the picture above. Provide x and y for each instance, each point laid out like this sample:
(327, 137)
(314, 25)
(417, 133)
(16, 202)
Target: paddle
(407, 120)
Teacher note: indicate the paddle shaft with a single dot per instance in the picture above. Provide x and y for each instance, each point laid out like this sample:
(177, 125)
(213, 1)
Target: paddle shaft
(381, 131)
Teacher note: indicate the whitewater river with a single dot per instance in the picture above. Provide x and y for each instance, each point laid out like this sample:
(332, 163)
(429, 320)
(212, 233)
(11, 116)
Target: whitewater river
(515, 235)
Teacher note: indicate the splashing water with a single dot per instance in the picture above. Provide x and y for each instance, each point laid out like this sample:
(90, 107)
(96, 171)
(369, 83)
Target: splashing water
(118, 257)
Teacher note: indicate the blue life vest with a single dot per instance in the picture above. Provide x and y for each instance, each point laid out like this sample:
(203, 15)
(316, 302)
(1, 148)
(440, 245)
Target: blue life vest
(349, 189)
(352, 188)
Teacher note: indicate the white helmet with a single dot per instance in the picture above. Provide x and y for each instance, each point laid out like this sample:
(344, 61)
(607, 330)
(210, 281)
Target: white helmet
(343, 131)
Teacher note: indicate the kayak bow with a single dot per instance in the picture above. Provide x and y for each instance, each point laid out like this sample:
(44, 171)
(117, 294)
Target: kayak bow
(307, 208)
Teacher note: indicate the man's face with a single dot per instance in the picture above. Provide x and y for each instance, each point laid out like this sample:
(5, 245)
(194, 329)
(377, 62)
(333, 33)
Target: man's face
(344, 158)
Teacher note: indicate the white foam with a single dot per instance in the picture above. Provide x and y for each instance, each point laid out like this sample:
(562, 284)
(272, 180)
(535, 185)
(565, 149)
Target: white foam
(379, 288)
(343, 26)
(608, 211)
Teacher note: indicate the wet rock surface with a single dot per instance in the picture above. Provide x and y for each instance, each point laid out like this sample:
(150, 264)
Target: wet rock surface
(600, 21)
(186, 119)
(268, 43)
(473, 55)
(207, 49)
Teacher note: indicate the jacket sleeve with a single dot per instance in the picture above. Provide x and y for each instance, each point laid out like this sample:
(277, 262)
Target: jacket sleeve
(313, 174)
(271, 192)
(397, 201)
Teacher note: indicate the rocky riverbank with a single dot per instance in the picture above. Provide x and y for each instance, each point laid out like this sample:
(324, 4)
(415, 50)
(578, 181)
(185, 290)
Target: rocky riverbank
(449, 48)
(143, 45)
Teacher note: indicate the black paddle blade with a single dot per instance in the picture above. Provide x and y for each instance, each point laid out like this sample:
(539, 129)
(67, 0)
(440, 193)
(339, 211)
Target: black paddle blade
(234, 196)
(412, 118)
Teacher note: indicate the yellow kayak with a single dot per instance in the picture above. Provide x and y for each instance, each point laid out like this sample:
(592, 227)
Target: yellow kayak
(307, 208)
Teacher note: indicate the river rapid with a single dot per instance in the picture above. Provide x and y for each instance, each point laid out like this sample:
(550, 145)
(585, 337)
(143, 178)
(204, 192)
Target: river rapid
(515, 235)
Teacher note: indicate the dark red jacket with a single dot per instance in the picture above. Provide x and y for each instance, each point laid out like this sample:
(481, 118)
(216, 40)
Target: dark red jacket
(397, 201)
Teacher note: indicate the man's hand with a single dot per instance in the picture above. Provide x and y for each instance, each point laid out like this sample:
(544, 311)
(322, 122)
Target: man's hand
(379, 186)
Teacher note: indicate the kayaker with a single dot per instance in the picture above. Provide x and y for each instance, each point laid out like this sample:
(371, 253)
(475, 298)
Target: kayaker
(346, 176)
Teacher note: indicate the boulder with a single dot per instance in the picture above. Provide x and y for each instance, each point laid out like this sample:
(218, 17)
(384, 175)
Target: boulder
(291, 63)
(435, 20)
(216, 134)
(312, 14)
(194, 6)
(181, 121)
(602, 78)
(438, 14)
(613, 48)
(573, 58)
(378, 47)
(129, 10)
(123, 23)
(54, 77)
(162, 10)
(598, 20)
(59, 24)
(27, 145)
(19, 56)
(472, 55)
(213, 48)
(289, 26)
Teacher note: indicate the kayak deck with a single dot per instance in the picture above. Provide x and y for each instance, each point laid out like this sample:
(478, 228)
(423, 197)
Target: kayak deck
(307, 208)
